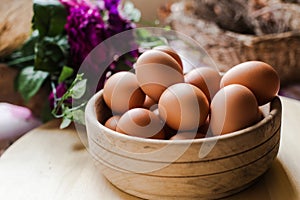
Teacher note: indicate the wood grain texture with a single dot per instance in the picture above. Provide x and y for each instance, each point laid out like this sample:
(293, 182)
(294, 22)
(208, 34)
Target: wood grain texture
(173, 169)
(183, 168)
(136, 148)
(53, 164)
(47, 164)
(15, 24)
(195, 187)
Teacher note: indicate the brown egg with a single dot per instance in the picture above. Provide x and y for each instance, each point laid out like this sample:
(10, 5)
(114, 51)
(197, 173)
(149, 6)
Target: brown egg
(187, 135)
(155, 71)
(194, 134)
(149, 103)
(258, 76)
(206, 79)
(171, 52)
(169, 132)
(141, 122)
(121, 92)
(183, 106)
(233, 108)
(111, 123)
(156, 112)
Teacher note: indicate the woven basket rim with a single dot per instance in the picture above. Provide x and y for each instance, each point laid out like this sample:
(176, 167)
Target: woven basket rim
(247, 39)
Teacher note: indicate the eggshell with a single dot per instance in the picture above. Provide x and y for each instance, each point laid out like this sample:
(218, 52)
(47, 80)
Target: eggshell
(149, 103)
(195, 134)
(121, 92)
(206, 79)
(141, 122)
(183, 106)
(171, 52)
(258, 76)
(233, 108)
(156, 112)
(155, 71)
(112, 122)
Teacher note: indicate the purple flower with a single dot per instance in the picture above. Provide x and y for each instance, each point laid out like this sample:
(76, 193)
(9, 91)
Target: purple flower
(58, 92)
(116, 22)
(111, 4)
(87, 26)
(85, 29)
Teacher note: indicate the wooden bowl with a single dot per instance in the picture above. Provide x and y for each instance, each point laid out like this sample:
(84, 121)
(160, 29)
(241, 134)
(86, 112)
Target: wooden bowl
(207, 168)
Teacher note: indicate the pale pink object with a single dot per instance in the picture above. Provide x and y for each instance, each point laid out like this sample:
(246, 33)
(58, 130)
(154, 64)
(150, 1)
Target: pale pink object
(15, 121)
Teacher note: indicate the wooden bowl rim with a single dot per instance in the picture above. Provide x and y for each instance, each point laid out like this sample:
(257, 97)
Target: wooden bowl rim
(275, 109)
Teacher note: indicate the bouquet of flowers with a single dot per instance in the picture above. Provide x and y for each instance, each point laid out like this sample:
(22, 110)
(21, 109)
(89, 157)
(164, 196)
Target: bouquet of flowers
(63, 34)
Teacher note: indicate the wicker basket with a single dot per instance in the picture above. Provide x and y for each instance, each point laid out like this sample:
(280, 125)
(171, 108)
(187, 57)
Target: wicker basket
(228, 48)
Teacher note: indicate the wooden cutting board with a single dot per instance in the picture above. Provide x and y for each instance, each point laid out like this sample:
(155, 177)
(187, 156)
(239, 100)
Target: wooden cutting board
(52, 164)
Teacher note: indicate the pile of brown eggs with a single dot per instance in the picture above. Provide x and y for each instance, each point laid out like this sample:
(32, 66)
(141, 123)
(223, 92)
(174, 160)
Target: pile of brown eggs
(158, 101)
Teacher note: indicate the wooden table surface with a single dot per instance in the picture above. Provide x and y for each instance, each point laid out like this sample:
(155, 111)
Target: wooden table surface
(52, 164)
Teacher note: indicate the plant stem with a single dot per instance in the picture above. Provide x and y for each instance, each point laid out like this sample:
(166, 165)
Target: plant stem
(21, 60)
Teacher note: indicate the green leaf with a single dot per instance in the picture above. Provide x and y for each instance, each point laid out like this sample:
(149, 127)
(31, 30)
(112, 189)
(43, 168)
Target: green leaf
(72, 115)
(30, 81)
(24, 56)
(40, 19)
(49, 17)
(146, 40)
(79, 89)
(142, 34)
(57, 20)
(78, 116)
(62, 108)
(28, 47)
(65, 123)
(51, 54)
(65, 73)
